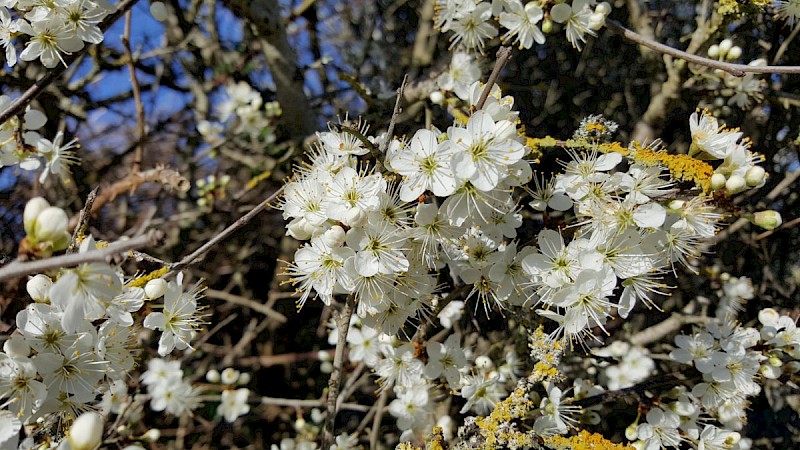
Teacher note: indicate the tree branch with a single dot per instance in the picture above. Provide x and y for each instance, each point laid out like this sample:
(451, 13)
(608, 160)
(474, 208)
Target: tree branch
(737, 70)
(242, 221)
(20, 269)
(503, 55)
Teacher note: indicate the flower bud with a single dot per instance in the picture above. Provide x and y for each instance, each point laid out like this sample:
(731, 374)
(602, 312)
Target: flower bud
(792, 367)
(483, 362)
(133, 447)
(212, 376)
(51, 226)
(755, 176)
(159, 11)
(735, 184)
(86, 432)
(725, 46)
(768, 316)
(16, 347)
(152, 435)
(356, 217)
(32, 210)
(244, 378)
(718, 181)
(38, 287)
(155, 288)
(603, 8)
(676, 204)
(297, 229)
(734, 53)
(768, 220)
(547, 25)
(596, 21)
(713, 51)
(437, 98)
(774, 361)
(770, 372)
(632, 432)
(229, 376)
(334, 237)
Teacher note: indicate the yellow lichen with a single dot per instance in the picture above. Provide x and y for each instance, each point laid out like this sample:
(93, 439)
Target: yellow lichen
(681, 167)
(583, 441)
(142, 280)
(495, 428)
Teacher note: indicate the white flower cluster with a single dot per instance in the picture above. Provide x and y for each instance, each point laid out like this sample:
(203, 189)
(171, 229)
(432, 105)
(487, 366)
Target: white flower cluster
(233, 402)
(244, 120)
(21, 144)
(733, 361)
(473, 21)
(77, 341)
(479, 380)
(634, 365)
(55, 28)
(711, 141)
(169, 391)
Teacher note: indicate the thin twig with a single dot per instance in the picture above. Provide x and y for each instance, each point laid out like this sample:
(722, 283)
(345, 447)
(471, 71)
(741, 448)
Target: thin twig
(376, 421)
(83, 221)
(242, 221)
(246, 302)
(737, 70)
(296, 403)
(20, 269)
(342, 319)
(503, 55)
(18, 105)
(395, 113)
(137, 95)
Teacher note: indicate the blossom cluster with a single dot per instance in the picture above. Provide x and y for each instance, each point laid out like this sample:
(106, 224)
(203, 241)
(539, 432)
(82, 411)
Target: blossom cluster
(472, 22)
(383, 226)
(21, 144)
(75, 346)
(54, 29)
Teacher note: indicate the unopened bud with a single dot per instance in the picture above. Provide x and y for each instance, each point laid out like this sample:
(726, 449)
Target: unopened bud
(632, 432)
(774, 361)
(159, 11)
(155, 288)
(152, 435)
(718, 181)
(356, 217)
(596, 21)
(437, 98)
(755, 176)
(676, 204)
(32, 210)
(86, 432)
(735, 184)
(561, 12)
(38, 287)
(51, 225)
(603, 8)
(16, 347)
(244, 378)
(725, 46)
(547, 25)
(229, 376)
(791, 367)
(734, 53)
(713, 51)
(770, 372)
(334, 237)
(768, 220)
(212, 376)
(483, 362)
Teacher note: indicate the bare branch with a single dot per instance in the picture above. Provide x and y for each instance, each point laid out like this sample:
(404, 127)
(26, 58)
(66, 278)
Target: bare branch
(737, 70)
(21, 269)
(395, 113)
(503, 55)
(83, 220)
(137, 95)
(242, 221)
(342, 319)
